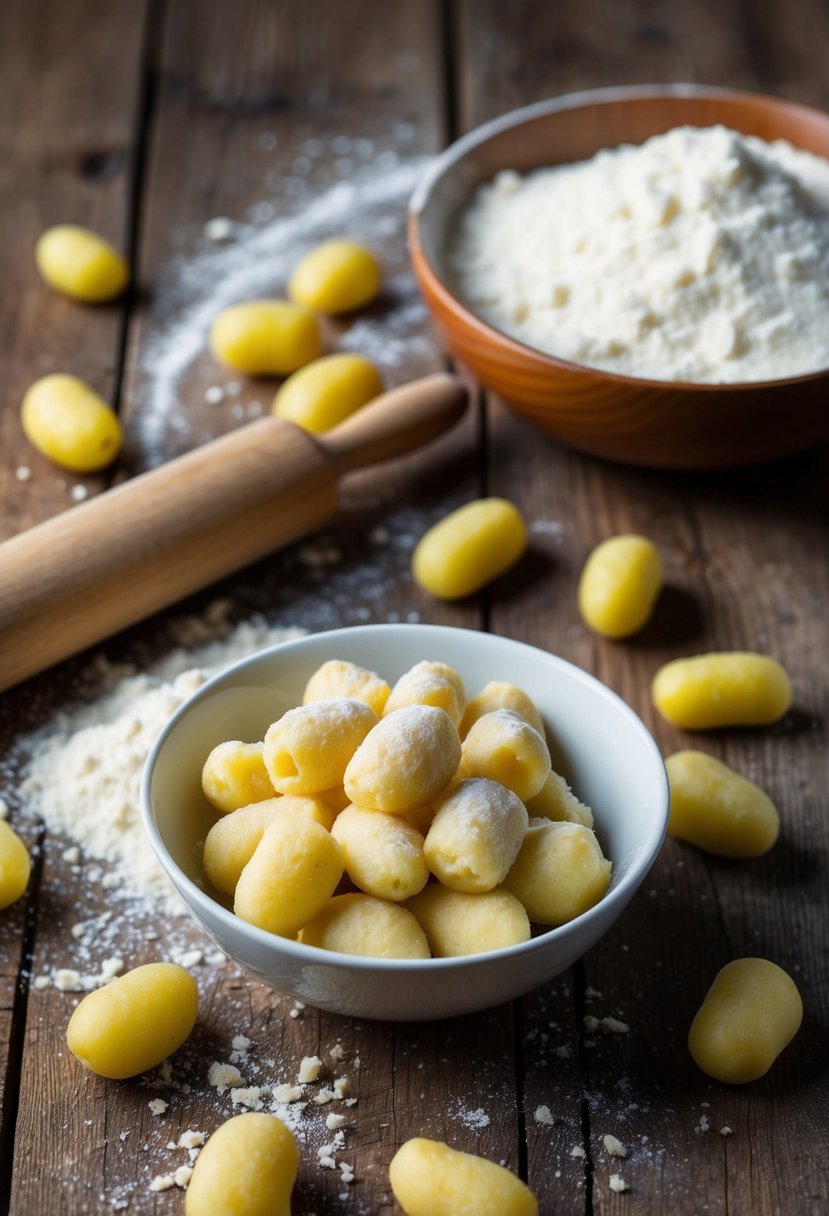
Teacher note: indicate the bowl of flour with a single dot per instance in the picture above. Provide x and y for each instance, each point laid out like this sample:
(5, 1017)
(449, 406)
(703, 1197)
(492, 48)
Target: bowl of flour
(642, 272)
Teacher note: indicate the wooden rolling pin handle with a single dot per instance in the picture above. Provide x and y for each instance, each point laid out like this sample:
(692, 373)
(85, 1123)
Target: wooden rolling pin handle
(116, 559)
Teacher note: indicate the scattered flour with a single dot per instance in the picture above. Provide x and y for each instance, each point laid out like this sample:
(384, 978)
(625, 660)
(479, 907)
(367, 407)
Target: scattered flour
(698, 256)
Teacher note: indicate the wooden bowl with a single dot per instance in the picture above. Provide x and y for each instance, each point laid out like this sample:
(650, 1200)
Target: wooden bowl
(661, 424)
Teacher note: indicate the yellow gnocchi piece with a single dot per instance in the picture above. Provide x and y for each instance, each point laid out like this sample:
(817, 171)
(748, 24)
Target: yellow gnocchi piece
(338, 276)
(383, 854)
(372, 928)
(266, 337)
(429, 683)
(750, 1013)
(458, 922)
(430, 1179)
(135, 1022)
(469, 548)
(15, 866)
(555, 800)
(232, 841)
(559, 873)
(308, 749)
(234, 775)
(407, 759)
(729, 688)
(339, 678)
(619, 585)
(475, 835)
(81, 264)
(717, 809)
(504, 747)
(70, 424)
(324, 393)
(500, 694)
(291, 876)
(247, 1168)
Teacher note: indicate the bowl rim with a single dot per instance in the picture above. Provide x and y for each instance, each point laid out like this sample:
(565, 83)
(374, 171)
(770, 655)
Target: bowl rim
(460, 148)
(315, 955)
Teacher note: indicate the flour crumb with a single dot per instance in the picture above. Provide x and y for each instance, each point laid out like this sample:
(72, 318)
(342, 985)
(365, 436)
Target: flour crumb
(704, 1124)
(617, 1184)
(162, 1182)
(250, 1097)
(224, 1076)
(191, 958)
(71, 856)
(726, 1131)
(287, 1093)
(219, 230)
(241, 1043)
(577, 1151)
(614, 1147)
(191, 1139)
(158, 1106)
(309, 1069)
(333, 1122)
(23, 473)
(544, 1115)
(614, 1026)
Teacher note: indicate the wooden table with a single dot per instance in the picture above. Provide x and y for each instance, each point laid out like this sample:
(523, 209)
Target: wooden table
(146, 119)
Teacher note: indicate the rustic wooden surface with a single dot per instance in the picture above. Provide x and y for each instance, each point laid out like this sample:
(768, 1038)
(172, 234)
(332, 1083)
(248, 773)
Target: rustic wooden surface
(145, 119)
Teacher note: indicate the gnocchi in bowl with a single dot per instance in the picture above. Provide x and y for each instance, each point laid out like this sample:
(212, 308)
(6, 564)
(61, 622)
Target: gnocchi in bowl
(461, 926)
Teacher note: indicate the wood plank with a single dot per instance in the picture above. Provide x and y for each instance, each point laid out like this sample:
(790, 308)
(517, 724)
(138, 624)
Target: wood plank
(745, 558)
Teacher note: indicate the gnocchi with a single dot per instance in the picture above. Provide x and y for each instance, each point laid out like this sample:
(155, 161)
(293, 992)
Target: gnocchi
(750, 1013)
(555, 800)
(80, 264)
(429, 684)
(266, 337)
(309, 748)
(234, 775)
(717, 809)
(232, 841)
(429, 1178)
(134, 1023)
(559, 873)
(620, 585)
(337, 678)
(475, 835)
(372, 928)
(500, 694)
(247, 1168)
(292, 874)
(730, 688)
(457, 922)
(383, 854)
(338, 276)
(503, 746)
(404, 761)
(469, 548)
(70, 424)
(324, 393)
(15, 866)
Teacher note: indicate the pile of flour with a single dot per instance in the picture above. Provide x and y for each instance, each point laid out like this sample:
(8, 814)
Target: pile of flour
(84, 774)
(702, 255)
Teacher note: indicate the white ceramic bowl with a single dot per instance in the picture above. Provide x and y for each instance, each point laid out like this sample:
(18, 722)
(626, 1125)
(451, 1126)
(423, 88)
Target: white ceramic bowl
(596, 740)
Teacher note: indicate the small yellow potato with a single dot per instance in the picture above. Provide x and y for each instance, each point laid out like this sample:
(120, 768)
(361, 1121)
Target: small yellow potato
(15, 866)
(475, 835)
(70, 424)
(234, 775)
(308, 748)
(361, 924)
(232, 841)
(266, 337)
(469, 548)
(338, 276)
(555, 800)
(324, 393)
(292, 874)
(619, 585)
(383, 854)
(339, 678)
(247, 1168)
(718, 810)
(504, 747)
(426, 684)
(729, 688)
(407, 759)
(430, 1179)
(81, 264)
(559, 873)
(457, 922)
(500, 694)
(750, 1013)
(134, 1023)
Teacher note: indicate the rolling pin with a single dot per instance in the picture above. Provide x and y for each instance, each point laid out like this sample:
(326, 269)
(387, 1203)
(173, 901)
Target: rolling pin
(116, 559)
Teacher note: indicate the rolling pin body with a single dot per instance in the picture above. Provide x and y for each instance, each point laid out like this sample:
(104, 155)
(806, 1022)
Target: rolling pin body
(114, 560)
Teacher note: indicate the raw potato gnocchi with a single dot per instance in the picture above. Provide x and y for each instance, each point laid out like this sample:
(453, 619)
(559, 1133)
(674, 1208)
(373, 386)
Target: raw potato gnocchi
(619, 585)
(232, 841)
(475, 836)
(500, 694)
(134, 1023)
(337, 678)
(292, 874)
(15, 866)
(750, 1013)
(70, 424)
(338, 276)
(382, 854)
(469, 548)
(730, 688)
(559, 873)
(247, 1168)
(717, 809)
(503, 746)
(429, 684)
(234, 775)
(404, 761)
(372, 928)
(555, 800)
(457, 923)
(81, 264)
(309, 748)
(324, 393)
(266, 337)
(430, 1179)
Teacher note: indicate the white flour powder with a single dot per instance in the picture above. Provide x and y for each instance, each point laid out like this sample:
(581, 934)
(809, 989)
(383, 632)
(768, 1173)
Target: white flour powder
(85, 771)
(702, 255)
